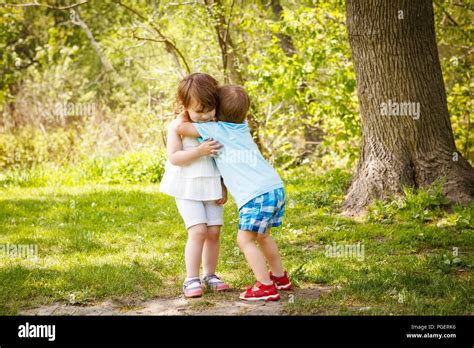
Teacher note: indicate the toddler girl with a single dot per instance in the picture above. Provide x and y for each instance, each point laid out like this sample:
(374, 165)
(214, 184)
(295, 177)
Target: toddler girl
(191, 176)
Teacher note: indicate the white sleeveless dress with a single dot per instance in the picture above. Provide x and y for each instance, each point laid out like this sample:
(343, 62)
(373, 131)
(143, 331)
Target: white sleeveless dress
(199, 180)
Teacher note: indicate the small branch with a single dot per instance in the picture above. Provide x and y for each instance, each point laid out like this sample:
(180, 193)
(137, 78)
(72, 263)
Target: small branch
(185, 3)
(169, 45)
(147, 39)
(78, 21)
(131, 47)
(228, 23)
(451, 19)
(215, 11)
(36, 4)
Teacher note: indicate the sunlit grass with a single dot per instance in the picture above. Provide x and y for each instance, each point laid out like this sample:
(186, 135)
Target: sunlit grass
(103, 242)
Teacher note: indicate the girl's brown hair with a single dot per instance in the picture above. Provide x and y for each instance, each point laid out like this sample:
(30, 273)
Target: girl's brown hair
(201, 90)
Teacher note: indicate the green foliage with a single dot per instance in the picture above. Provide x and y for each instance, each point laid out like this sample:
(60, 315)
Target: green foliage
(462, 217)
(303, 97)
(29, 147)
(453, 28)
(424, 204)
(135, 168)
(308, 96)
(139, 167)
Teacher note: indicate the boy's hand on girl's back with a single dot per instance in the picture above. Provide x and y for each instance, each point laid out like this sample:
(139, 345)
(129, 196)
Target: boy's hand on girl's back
(210, 147)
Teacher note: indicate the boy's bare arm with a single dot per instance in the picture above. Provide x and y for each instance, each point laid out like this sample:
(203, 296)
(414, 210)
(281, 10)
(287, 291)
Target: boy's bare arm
(178, 157)
(187, 129)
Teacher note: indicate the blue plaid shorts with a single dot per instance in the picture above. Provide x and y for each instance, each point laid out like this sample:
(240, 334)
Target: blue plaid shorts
(263, 211)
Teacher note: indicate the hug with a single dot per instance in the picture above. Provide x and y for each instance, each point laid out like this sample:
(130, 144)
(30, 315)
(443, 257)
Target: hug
(211, 152)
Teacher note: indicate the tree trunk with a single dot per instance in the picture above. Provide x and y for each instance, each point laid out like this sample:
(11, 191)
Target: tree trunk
(397, 70)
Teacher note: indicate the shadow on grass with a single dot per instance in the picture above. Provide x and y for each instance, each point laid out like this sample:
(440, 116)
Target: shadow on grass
(87, 222)
(80, 284)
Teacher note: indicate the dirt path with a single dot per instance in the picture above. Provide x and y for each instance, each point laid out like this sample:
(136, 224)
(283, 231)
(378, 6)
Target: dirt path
(211, 304)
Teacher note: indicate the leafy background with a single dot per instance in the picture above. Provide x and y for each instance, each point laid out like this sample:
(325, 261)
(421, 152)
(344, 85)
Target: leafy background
(303, 100)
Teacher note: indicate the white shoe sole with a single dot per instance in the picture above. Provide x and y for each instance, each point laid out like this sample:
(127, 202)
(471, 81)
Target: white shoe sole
(283, 287)
(193, 295)
(265, 298)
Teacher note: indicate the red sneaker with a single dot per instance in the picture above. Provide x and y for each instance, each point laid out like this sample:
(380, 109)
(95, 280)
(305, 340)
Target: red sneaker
(282, 283)
(260, 292)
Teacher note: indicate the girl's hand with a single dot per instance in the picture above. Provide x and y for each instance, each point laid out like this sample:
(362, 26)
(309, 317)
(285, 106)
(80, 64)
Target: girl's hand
(223, 200)
(209, 148)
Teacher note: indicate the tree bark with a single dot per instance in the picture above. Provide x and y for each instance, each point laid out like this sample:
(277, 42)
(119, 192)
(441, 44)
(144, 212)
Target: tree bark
(396, 61)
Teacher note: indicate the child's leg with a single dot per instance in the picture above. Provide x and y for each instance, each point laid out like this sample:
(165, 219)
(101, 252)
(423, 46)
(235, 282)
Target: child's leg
(194, 216)
(266, 242)
(210, 253)
(254, 256)
(270, 250)
(194, 246)
(214, 218)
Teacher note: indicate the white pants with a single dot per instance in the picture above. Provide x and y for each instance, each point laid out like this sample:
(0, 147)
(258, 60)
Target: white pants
(199, 212)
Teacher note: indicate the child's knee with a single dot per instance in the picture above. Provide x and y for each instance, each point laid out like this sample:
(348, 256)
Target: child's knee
(245, 237)
(262, 238)
(213, 235)
(198, 231)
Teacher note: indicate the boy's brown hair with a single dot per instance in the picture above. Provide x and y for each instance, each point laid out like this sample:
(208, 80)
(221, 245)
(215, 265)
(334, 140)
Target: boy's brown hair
(234, 104)
(198, 88)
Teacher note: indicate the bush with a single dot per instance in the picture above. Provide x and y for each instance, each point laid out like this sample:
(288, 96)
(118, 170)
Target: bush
(29, 147)
(135, 168)
(143, 167)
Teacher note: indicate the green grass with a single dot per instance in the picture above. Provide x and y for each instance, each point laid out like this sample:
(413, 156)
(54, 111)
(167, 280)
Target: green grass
(102, 242)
